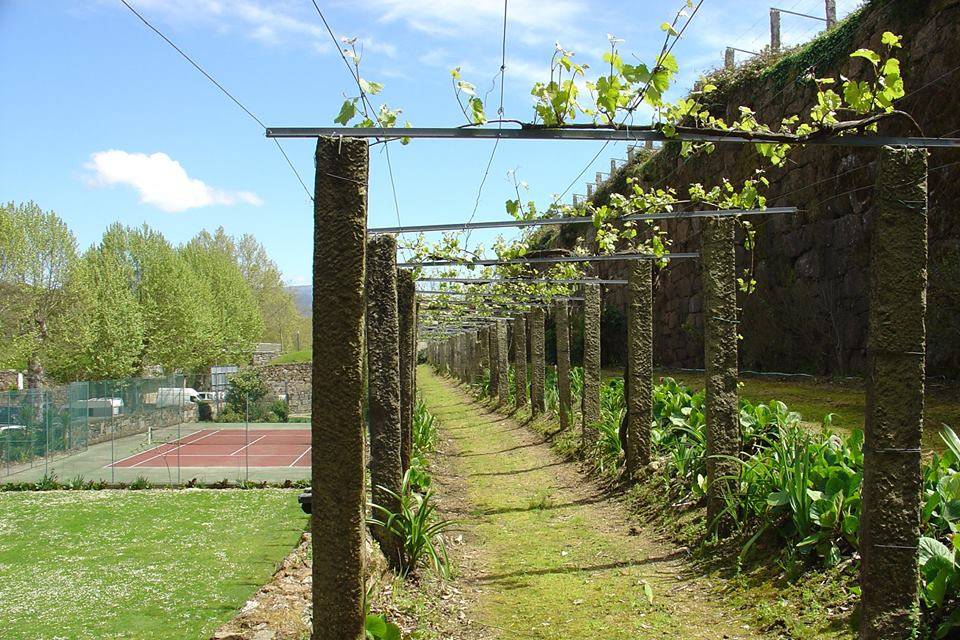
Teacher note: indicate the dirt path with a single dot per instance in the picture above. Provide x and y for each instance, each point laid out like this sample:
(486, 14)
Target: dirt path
(545, 554)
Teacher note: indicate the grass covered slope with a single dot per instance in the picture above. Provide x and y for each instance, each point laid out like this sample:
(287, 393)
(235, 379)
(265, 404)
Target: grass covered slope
(137, 564)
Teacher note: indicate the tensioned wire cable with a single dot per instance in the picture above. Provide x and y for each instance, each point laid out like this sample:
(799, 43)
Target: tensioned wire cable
(221, 88)
(642, 93)
(500, 112)
(369, 105)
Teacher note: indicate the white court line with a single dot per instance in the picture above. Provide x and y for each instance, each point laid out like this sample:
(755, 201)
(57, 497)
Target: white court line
(244, 446)
(300, 456)
(153, 448)
(182, 444)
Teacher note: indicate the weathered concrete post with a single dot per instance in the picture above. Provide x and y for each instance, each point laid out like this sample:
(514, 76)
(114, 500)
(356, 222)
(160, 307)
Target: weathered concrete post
(492, 338)
(472, 356)
(407, 310)
(538, 360)
(720, 358)
(451, 351)
(503, 363)
(483, 348)
(774, 30)
(383, 385)
(563, 362)
(337, 453)
(464, 356)
(520, 361)
(831, 11)
(639, 365)
(896, 345)
(590, 403)
(729, 58)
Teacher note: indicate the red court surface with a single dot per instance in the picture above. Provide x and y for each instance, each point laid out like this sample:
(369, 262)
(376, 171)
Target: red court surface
(228, 448)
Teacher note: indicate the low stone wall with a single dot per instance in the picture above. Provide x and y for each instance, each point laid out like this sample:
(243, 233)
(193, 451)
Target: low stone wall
(10, 380)
(103, 429)
(290, 380)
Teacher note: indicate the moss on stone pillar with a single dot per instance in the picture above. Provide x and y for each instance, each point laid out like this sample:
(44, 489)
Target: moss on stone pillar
(337, 453)
(639, 384)
(896, 343)
(503, 363)
(483, 352)
(383, 385)
(562, 318)
(590, 403)
(494, 360)
(720, 360)
(537, 360)
(520, 361)
(406, 309)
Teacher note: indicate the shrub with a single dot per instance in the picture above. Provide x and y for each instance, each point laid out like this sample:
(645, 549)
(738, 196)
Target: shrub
(280, 409)
(424, 429)
(246, 386)
(418, 527)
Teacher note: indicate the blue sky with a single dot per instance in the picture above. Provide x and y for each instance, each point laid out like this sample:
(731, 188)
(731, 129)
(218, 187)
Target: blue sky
(102, 121)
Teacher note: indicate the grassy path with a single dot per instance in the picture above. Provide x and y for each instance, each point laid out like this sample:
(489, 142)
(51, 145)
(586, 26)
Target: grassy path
(547, 555)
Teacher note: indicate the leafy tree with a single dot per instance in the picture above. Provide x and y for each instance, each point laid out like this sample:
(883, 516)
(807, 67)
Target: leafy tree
(179, 328)
(37, 252)
(278, 310)
(235, 315)
(101, 335)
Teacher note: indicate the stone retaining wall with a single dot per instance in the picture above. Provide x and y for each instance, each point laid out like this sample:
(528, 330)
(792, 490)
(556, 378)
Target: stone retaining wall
(292, 380)
(809, 312)
(103, 429)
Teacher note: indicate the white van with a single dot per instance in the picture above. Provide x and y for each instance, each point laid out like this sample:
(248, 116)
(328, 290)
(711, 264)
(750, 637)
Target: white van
(104, 407)
(176, 397)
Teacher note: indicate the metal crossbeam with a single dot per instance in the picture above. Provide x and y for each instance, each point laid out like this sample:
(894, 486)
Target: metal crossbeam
(544, 222)
(593, 134)
(522, 280)
(448, 314)
(554, 260)
(802, 15)
(481, 306)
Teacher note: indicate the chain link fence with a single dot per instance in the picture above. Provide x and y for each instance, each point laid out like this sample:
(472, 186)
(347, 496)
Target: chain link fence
(145, 430)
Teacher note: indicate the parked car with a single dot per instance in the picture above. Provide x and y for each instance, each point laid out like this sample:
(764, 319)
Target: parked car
(104, 407)
(212, 396)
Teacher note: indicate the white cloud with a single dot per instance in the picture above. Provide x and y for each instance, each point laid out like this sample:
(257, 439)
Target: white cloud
(273, 23)
(161, 181)
(528, 18)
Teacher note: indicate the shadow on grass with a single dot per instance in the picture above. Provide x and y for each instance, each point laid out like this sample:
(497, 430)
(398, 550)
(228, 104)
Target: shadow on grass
(509, 577)
(516, 472)
(535, 507)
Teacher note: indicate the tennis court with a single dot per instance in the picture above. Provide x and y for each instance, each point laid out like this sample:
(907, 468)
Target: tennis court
(227, 448)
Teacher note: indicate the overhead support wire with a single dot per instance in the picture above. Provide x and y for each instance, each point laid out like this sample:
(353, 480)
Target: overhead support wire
(222, 90)
(441, 133)
(355, 75)
(616, 257)
(500, 113)
(544, 222)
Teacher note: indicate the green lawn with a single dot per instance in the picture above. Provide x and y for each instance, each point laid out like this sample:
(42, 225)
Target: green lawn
(814, 398)
(137, 564)
(304, 355)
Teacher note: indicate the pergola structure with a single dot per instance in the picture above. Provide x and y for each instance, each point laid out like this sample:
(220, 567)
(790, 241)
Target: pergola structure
(356, 292)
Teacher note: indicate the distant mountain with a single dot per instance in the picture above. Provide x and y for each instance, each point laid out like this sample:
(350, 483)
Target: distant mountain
(303, 296)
